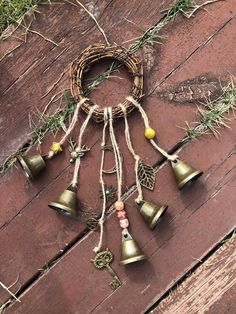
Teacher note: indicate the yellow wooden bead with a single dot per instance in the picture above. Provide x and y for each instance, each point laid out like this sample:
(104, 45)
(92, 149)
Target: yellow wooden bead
(149, 133)
(56, 147)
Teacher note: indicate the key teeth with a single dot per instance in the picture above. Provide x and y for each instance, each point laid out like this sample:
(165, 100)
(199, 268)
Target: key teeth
(115, 284)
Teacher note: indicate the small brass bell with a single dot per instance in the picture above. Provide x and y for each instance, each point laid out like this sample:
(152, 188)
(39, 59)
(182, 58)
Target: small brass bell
(32, 165)
(130, 251)
(184, 173)
(66, 203)
(151, 212)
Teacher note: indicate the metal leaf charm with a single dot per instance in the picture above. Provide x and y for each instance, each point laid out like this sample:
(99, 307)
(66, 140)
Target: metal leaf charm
(146, 175)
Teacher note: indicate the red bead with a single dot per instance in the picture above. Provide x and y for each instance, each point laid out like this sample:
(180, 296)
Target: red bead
(119, 205)
(121, 214)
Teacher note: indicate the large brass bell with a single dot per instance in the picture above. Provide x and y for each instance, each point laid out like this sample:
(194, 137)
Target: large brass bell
(130, 251)
(151, 212)
(66, 203)
(184, 173)
(32, 165)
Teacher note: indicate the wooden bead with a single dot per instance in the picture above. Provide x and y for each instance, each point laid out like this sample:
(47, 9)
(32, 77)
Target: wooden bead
(149, 133)
(124, 223)
(56, 147)
(119, 205)
(121, 214)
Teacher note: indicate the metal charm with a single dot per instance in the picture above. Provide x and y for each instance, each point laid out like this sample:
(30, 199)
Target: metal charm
(146, 175)
(110, 192)
(103, 259)
(113, 169)
(92, 224)
(75, 152)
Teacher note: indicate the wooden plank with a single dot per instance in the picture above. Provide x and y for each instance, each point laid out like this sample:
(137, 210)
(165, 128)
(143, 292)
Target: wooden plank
(210, 289)
(42, 231)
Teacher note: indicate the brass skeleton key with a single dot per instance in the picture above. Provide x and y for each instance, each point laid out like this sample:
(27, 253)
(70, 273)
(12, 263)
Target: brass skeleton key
(103, 259)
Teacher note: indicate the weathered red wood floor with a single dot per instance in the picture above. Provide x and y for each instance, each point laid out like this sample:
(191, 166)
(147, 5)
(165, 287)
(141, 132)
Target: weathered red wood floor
(33, 237)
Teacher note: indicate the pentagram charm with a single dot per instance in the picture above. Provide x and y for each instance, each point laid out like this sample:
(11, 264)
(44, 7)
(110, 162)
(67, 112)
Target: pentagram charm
(92, 224)
(103, 259)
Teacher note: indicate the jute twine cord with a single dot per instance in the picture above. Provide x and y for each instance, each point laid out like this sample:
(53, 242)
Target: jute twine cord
(147, 125)
(102, 219)
(118, 157)
(77, 162)
(73, 121)
(92, 55)
(71, 126)
(136, 157)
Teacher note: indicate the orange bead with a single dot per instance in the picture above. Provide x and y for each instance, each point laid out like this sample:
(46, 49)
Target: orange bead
(119, 205)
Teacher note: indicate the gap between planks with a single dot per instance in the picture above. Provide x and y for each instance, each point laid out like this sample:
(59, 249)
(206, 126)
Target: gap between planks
(193, 282)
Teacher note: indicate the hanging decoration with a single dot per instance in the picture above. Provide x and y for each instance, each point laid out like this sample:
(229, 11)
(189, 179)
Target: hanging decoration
(66, 203)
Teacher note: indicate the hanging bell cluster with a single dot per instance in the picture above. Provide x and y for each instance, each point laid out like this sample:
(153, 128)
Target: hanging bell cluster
(66, 203)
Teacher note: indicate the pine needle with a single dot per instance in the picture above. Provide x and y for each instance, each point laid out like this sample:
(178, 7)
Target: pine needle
(214, 115)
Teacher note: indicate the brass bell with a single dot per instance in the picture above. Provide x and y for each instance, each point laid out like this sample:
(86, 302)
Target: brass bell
(151, 212)
(66, 203)
(32, 165)
(184, 173)
(130, 251)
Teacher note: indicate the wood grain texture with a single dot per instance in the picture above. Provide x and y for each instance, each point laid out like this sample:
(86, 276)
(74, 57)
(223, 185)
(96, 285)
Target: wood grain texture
(210, 289)
(31, 234)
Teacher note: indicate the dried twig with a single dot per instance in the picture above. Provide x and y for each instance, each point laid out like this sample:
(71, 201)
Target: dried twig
(7, 289)
(96, 22)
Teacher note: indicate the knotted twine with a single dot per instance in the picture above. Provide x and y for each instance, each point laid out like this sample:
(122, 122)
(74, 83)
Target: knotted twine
(136, 157)
(119, 171)
(74, 119)
(102, 218)
(74, 181)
